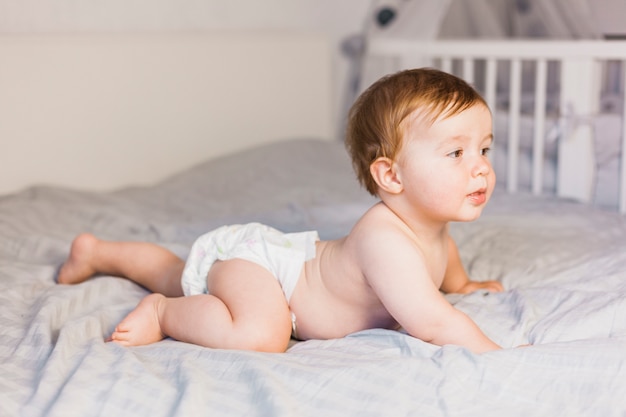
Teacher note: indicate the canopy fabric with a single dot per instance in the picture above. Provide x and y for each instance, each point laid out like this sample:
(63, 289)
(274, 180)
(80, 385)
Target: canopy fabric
(462, 19)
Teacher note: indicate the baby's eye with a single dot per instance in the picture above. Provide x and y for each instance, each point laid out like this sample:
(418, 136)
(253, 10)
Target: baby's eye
(485, 151)
(456, 154)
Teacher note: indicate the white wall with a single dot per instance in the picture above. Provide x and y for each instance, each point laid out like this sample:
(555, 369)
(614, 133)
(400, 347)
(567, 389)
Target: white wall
(335, 18)
(97, 111)
(123, 15)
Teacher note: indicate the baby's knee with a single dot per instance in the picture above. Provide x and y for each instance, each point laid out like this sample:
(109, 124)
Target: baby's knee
(83, 244)
(271, 339)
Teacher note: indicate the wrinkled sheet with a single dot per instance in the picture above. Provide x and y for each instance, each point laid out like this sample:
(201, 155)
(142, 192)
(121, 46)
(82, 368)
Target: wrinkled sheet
(563, 266)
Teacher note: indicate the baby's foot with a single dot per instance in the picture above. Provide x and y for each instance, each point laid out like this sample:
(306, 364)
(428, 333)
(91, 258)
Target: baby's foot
(141, 326)
(77, 268)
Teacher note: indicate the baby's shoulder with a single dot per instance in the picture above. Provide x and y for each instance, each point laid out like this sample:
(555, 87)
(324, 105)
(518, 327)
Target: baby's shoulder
(380, 230)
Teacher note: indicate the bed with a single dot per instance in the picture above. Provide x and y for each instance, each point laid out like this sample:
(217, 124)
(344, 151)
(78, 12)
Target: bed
(561, 260)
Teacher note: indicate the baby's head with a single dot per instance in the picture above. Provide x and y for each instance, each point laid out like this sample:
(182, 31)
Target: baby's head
(375, 127)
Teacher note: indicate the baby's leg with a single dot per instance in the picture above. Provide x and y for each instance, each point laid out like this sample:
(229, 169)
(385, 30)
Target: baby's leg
(157, 317)
(246, 310)
(147, 264)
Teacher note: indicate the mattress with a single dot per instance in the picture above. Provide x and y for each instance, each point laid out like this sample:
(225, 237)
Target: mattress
(563, 266)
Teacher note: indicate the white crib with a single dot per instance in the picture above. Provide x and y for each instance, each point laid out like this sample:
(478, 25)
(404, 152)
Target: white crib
(582, 70)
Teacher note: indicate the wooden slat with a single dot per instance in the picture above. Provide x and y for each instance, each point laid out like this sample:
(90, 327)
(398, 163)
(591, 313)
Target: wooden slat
(468, 70)
(622, 192)
(541, 75)
(514, 126)
(490, 83)
(502, 49)
(491, 72)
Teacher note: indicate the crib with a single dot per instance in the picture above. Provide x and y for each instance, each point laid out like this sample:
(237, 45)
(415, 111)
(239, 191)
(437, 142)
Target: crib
(577, 104)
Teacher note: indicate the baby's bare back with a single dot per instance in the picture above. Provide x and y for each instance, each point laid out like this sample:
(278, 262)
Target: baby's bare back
(332, 297)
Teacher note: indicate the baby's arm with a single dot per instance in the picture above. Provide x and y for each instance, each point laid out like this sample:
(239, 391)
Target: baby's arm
(456, 280)
(403, 283)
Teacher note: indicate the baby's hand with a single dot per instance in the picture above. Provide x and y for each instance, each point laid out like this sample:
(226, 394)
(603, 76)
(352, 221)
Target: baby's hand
(471, 286)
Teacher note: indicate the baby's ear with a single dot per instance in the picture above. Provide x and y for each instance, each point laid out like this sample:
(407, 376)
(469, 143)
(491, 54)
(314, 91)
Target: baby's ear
(384, 172)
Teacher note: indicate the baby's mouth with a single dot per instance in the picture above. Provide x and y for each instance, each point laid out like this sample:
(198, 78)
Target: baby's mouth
(478, 196)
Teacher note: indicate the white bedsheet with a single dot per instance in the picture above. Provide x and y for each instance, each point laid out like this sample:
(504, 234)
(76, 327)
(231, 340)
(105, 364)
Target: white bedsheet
(563, 265)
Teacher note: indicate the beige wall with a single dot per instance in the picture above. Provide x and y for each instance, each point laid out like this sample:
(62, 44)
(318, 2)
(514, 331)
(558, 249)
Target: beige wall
(332, 18)
(104, 111)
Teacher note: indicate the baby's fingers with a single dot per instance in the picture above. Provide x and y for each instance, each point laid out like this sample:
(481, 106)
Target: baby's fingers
(493, 286)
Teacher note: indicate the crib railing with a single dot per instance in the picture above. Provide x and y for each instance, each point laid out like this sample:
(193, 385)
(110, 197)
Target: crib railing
(580, 72)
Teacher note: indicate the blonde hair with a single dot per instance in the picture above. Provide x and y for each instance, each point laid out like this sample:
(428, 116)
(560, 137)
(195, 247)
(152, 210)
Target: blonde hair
(375, 119)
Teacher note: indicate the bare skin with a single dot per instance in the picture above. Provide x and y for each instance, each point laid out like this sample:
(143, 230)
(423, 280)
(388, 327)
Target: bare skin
(387, 273)
(257, 316)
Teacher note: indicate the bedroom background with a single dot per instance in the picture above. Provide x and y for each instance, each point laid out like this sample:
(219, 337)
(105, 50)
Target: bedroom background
(343, 25)
(562, 262)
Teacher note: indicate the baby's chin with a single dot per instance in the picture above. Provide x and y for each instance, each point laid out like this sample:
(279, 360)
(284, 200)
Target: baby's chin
(470, 216)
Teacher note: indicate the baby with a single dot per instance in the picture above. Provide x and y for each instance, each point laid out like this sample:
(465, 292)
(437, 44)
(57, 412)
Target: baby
(419, 141)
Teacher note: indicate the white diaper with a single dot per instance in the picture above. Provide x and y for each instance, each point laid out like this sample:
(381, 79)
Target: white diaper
(283, 254)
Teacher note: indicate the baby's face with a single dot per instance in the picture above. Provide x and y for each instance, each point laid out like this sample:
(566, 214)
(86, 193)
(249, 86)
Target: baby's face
(444, 166)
